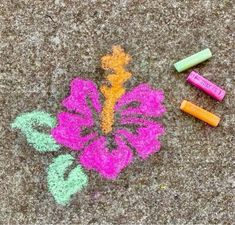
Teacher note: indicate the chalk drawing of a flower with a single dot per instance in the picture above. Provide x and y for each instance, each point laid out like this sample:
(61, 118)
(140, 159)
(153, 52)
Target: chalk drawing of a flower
(104, 136)
(123, 123)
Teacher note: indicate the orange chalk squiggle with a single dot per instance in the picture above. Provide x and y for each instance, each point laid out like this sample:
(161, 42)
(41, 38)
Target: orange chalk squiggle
(116, 62)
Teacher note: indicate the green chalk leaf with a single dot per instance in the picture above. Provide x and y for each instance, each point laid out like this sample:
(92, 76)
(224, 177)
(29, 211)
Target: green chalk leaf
(42, 142)
(62, 189)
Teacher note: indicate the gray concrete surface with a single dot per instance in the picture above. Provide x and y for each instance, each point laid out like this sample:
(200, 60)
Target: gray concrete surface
(44, 44)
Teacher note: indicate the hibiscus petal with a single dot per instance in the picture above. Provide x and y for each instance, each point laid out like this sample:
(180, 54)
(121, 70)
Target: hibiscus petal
(108, 163)
(144, 139)
(80, 91)
(149, 102)
(68, 132)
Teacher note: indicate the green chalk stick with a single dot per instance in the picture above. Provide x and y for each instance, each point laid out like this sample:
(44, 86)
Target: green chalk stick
(193, 60)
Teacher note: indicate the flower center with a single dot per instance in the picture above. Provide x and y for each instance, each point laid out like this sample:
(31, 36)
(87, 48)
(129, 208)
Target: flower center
(115, 62)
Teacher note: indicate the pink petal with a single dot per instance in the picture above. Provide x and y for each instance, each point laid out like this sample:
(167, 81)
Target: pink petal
(108, 163)
(68, 130)
(149, 102)
(80, 90)
(145, 140)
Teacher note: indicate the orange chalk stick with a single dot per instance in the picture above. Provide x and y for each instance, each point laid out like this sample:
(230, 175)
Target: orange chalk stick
(200, 113)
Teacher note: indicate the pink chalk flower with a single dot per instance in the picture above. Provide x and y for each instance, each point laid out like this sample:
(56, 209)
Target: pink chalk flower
(104, 133)
(135, 127)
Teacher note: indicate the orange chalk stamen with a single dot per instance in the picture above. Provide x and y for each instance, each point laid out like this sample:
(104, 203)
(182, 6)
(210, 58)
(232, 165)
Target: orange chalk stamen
(200, 113)
(116, 62)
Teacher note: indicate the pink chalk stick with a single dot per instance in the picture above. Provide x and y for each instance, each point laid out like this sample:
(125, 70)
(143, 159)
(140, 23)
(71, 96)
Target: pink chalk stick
(205, 85)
